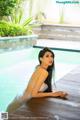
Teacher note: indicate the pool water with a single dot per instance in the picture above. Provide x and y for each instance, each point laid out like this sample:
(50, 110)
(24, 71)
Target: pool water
(16, 68)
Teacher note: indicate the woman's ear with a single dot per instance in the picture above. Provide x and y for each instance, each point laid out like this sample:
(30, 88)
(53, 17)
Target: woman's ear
(41, 59)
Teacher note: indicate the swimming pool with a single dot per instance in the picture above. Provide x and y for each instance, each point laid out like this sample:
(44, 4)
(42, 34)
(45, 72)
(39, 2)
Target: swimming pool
(16, 68)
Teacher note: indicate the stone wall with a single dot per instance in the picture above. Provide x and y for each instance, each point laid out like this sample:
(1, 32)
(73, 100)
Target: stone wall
(58, 32)
(17, 42)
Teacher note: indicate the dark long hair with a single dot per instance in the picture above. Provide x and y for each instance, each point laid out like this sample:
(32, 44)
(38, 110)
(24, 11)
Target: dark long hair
(48, 80)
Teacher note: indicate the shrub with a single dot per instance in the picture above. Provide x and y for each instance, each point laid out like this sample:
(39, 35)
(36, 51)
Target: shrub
(10, 29)
(7, 6)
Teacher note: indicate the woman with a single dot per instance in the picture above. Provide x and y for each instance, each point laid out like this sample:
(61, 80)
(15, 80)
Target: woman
(40, 82)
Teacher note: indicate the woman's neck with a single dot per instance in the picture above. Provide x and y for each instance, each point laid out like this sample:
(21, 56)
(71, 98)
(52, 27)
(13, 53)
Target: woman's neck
(44, 66)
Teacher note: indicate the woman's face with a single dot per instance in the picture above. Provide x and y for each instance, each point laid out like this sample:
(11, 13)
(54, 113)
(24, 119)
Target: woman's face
(47, 59)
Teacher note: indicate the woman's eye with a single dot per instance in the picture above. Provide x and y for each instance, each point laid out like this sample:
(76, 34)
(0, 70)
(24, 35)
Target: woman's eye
(47, 55)
(52, 56)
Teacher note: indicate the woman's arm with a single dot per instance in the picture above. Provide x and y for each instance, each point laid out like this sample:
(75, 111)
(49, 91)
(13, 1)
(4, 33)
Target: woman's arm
(36, 90)
(42, 75)
(35, 83)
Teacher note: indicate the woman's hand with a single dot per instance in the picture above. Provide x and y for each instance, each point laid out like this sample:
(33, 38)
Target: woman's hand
(59, 94)
(63, 94)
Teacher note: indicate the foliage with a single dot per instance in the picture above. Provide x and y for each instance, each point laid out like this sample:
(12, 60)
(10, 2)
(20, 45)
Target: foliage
(7, 6)
(14, 25)
(12, 29)
(17, 18)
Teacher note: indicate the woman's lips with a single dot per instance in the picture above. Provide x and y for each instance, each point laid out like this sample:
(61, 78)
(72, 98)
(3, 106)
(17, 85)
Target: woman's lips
(50, 62)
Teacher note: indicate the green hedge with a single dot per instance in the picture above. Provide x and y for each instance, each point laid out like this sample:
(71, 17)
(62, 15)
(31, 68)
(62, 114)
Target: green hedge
(11, 29)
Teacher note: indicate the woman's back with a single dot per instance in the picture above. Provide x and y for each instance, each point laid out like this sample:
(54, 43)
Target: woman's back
(39, 73)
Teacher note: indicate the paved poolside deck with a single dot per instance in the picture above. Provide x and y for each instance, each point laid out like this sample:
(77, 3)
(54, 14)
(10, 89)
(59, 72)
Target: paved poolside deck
(59, 44)
(54, 108)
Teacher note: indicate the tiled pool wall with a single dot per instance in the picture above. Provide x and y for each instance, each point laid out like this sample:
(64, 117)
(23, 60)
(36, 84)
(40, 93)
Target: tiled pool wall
(58, 32)
(18, 42)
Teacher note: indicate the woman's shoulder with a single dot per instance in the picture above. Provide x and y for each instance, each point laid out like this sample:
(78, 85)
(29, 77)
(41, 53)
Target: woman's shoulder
(41, 70)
